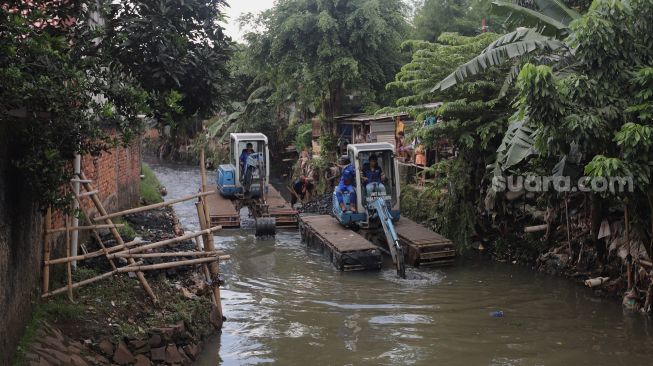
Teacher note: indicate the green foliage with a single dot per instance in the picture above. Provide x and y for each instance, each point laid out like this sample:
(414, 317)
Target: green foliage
(304, 137)
(316, 52)
(150, 187)
(178, 52)
(552, 17)
(50, 82)
(513, 45)
(465, 17)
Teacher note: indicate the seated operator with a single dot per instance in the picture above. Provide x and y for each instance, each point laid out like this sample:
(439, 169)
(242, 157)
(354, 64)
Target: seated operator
(346, 188)
(249, 149)
(373, 176)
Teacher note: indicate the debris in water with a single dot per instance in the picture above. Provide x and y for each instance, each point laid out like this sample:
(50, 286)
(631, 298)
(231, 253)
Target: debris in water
(497, 314)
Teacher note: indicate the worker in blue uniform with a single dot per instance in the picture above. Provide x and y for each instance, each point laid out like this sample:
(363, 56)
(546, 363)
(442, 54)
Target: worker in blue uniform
(345, 191)
(249, 149)
(373, 176)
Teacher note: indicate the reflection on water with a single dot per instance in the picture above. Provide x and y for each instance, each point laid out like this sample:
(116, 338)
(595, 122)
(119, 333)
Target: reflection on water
(287, 305)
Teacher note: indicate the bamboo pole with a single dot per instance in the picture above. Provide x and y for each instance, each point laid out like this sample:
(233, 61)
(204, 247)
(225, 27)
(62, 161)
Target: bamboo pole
(47, 225)
(205, 269)
(170, 254)
(537, 228)
(166, 242)
(96, 234)
(100, 208)
(80, 284)
(214, 268)
(91, 227)
(97, 253)
(105, 216)
(69, 266)
(629, 259)
(153, 267)
(203, 178)
(571, 252)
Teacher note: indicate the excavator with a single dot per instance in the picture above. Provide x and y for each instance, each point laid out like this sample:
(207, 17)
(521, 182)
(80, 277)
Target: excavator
(376, 210)
(245, 180)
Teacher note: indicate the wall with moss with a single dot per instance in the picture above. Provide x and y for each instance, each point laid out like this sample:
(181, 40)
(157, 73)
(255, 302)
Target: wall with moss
(20, 251)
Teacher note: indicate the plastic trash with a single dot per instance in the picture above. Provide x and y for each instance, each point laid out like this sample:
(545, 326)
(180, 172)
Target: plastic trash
(497, 314)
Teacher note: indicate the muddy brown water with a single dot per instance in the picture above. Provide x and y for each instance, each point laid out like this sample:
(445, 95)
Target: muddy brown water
(287, 305)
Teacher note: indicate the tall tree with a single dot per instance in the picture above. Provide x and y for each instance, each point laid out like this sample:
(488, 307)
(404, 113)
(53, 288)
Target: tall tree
(177, 50)
(51, 74)
(465, 17)
(324, 49)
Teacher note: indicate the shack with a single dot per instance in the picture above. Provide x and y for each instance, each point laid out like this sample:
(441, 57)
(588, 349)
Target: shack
(364, 128)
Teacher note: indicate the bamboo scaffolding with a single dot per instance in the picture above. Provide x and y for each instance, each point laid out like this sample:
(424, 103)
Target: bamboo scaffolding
(171, 254)
(166, 242)
(69, 266)
(209, 245)
(84, 282)
(96, 234)
(47, 225)
(92, 227)
(97, 253)
(168, 265)
(79, 284)
(100, 208)
(205, 270)
(105, 216)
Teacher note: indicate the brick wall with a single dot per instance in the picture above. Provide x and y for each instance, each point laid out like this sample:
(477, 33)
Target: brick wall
(116, 174)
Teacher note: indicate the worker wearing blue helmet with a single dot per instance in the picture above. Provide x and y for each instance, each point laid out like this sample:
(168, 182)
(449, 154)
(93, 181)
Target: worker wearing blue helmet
(345, 191)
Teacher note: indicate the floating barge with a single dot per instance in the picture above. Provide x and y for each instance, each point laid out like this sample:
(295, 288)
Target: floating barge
(351, 251)
(222, 211)
(280, 209)
(225, 212)
(348, 250)
(422, 246)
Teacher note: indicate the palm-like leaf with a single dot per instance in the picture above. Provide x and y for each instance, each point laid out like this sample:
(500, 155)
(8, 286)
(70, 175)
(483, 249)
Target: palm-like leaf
(525, 17)
(517, 145)
(510, 46)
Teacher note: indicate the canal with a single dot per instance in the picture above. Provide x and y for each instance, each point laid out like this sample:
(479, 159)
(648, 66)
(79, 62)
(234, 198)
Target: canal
(287, 305)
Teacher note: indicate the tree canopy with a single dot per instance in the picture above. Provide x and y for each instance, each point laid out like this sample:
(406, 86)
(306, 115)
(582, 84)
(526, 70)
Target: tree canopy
(318, 51)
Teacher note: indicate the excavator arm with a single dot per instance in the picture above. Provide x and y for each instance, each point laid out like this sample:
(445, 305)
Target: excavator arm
(396, 250)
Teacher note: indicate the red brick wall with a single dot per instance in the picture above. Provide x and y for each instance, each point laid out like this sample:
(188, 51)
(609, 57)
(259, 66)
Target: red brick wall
(116, 175)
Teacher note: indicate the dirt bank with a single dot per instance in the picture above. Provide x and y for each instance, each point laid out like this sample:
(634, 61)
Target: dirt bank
(114, 321)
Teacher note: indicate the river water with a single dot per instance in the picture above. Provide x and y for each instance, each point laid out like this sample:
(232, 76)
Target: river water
(287, 305)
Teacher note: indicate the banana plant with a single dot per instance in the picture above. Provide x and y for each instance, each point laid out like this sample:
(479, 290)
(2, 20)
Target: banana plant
(542, 26)
(513, 45)
(551, 16)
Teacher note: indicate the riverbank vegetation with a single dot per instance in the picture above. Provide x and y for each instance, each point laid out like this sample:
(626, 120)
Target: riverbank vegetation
(541, 88)
(150, 187)
(81, 77)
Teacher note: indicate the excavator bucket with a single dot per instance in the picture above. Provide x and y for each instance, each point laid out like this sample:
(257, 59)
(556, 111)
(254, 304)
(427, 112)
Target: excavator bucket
(266, 226)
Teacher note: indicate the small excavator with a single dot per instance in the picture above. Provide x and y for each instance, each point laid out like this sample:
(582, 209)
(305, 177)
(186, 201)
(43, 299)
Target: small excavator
(377, 211)
(245, 180)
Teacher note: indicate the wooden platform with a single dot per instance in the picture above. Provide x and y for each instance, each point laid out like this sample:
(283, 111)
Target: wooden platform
(348, 250)
(280, 209)
(424, 247)
(222, 210)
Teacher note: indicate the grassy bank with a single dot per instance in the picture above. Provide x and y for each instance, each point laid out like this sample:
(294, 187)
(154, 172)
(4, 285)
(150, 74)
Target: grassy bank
(150, 187)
